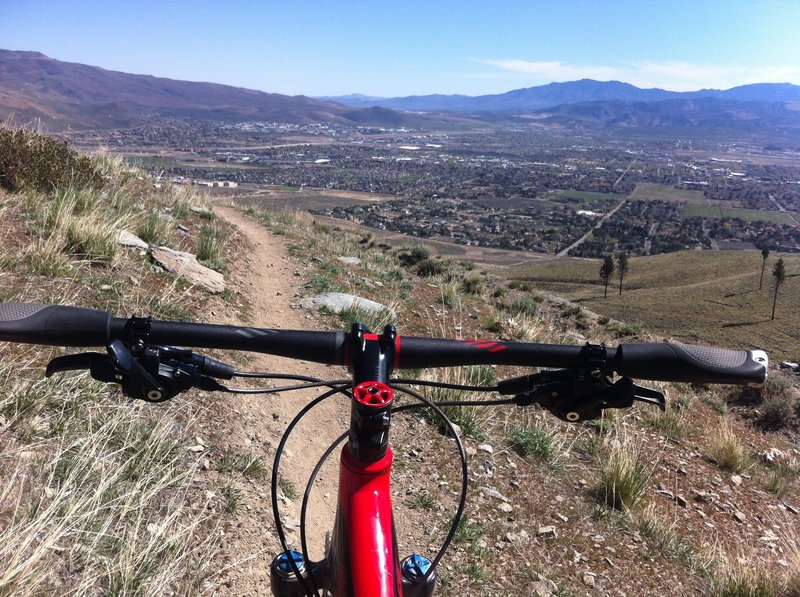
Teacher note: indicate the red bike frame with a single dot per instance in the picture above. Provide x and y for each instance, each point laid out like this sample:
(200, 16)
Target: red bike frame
(364, 549)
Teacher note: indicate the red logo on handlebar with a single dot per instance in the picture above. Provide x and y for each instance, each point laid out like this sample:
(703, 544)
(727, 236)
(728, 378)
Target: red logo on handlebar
(486, 345)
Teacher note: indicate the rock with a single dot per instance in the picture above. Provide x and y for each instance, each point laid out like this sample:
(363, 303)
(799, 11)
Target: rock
(681, 501)
(773, 455)
(588, 580)
(470, 451)
(542, 588)
(736, 480)
(339, 301)
(548, 532)
(505, 507)
(129, 239)
(520, 537)
(349, 260)
(740, 517)
(186, 266)
(493, 493)
(486, 448)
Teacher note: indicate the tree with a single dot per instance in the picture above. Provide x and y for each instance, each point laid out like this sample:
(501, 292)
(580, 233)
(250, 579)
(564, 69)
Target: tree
(779, 273)
(764, 255)
(606, 271)
(622, 268)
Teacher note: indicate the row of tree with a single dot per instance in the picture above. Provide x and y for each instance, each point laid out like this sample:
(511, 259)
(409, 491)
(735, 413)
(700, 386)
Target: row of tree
(609, 266)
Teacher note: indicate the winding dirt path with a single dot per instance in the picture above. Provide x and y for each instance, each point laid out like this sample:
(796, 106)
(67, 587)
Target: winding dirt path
(253, 425)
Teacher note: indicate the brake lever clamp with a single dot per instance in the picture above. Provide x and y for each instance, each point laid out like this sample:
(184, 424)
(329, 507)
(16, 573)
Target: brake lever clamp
(572, 395)
(152, 374)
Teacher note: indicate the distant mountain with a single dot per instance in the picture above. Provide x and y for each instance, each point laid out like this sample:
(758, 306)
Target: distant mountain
(555, 94)
(65, 95)
(701, 117)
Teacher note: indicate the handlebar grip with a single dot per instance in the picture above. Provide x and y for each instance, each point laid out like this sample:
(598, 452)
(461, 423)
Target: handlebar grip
(56, 325)
(692, 363)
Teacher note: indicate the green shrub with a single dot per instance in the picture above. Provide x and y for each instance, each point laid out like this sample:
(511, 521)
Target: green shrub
(155, 229)
(31, 161)
(411, 256)
(532, 441)
(776, 412)
(430, 267)
(211, 246)
(473, 283)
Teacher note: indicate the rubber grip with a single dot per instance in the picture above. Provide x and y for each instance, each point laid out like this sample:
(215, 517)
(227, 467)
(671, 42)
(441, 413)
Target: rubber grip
(691, 363)
(56, 325)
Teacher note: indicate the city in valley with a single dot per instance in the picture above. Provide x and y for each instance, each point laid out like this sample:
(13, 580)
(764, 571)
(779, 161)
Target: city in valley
(510, 187)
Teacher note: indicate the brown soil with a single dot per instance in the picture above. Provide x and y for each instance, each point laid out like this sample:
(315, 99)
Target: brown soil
(254, 424)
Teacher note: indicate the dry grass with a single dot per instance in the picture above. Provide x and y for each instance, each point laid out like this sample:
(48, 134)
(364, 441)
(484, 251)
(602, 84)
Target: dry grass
(721, 287)
(95, 492)
(726, 449)
(626, 467)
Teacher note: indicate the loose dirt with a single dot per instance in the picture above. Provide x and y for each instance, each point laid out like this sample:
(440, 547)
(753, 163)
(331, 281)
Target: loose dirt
(253, 425)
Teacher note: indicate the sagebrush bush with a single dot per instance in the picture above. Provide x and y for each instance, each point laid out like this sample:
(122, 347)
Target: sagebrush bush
(31, 161)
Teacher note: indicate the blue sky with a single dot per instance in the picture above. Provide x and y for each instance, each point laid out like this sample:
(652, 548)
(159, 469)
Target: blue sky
(418, 47)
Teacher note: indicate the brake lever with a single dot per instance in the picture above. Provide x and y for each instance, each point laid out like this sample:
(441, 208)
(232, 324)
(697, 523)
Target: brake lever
(572, 395)
(73, 362)
(155, 374)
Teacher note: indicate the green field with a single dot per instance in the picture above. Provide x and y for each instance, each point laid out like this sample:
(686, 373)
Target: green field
(645, 191)
(589, 196)
(748, 215)
(693, 296)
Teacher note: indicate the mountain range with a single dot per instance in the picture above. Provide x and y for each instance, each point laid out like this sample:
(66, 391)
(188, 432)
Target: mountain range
(63, 95)
(534, 99)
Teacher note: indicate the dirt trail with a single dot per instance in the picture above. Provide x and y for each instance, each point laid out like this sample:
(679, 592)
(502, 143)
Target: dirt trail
(266, 277)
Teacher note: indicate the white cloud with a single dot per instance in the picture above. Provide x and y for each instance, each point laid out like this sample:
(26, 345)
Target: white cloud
(675, 76)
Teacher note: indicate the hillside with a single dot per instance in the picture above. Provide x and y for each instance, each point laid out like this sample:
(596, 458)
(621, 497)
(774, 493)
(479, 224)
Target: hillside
(694, 296)
(65, 95)
(102, 495)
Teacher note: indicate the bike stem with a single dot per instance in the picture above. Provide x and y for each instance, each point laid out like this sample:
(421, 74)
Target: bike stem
(371, 360)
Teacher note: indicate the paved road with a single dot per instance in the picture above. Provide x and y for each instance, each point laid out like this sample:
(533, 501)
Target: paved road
(597, 226)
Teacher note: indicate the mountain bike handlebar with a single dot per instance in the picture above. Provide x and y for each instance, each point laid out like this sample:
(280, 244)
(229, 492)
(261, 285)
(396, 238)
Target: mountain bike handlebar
(59, 325)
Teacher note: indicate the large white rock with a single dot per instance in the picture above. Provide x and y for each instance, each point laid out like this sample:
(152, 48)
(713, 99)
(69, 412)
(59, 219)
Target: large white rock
(339, 301)
(186, 265)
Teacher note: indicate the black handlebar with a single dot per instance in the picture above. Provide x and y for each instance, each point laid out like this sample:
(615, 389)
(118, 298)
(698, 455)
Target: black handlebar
(73, 326)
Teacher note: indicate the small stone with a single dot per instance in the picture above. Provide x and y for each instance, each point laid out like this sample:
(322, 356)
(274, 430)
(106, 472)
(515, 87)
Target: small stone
(486, 448)
(588, 580)
(681, 501)
(548, 532)
(197, 448)
(493, 493)
(470, 451)
(736, 480)
(740, 517)
(106, 287)
(562, 518)
(505, 507)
